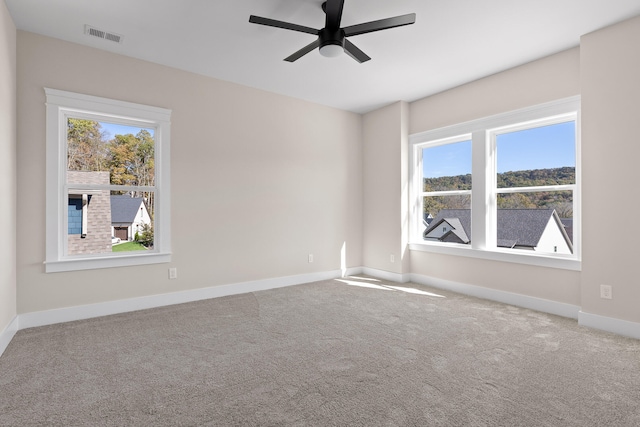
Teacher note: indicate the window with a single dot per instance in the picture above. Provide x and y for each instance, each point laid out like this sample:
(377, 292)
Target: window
(107, 175)
(536, 180)
(446, 181)
(523, 205)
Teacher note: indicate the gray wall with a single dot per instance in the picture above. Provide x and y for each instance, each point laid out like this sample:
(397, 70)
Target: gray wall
(610, 84)
(258, 180)
(7, 168)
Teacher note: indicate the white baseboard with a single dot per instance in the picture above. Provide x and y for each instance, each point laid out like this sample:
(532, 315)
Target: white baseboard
(533, 303)
(609, 324)
(386, 275)
(7, 335)
(49, 317)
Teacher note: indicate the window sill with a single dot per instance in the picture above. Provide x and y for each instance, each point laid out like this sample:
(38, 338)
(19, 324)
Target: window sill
(550, 261)
(105, 262)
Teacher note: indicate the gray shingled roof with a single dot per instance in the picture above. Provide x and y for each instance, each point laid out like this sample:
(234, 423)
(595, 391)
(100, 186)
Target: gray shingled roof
(457, 234)
(462, 215)
(521, 227)
(458, 229)
(568, 227)
(124, 208)
(525, 226)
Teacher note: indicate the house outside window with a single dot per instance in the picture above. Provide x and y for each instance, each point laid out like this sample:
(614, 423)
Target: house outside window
(129, 215)
(87, 232)
(88, 165)
(524, 205)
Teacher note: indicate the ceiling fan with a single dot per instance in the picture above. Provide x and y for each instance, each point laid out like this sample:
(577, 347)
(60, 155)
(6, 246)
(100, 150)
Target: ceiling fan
(332, 39)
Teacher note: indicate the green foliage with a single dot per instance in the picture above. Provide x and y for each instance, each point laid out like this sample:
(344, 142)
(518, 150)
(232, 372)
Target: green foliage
(146, 237)
(536, 177)
(448, 183)
(515, 201)
(122, 149)
(130, 159)
(434, 204)
(86, 150)
(561, 201)
(128, 247)
(136, 237)
(132, 163)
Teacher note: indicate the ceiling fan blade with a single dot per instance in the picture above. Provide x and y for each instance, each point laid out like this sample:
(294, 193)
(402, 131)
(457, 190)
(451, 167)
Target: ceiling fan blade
(333, 9)
(354, 52)
(299, 54)
(382, 24)
(281, 24)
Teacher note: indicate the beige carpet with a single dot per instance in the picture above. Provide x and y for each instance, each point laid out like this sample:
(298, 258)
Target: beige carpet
(358, 352)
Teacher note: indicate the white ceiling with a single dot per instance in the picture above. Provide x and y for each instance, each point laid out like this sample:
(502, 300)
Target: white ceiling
(451, 43)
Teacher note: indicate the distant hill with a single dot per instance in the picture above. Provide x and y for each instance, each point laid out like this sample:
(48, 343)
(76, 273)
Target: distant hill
(530, 178)
(559, 200)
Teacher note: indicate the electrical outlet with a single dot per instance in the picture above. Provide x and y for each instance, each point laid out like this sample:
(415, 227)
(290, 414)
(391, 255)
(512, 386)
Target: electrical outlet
(392, 258)
(173, 273)
(606, 292)
(310, 257)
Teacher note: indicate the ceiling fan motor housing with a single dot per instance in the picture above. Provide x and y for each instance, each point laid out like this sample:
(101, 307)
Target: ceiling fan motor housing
(331, 37)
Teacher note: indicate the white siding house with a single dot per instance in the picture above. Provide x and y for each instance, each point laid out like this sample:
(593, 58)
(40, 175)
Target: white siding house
(128, 215)
(553, 239)
(539, 230)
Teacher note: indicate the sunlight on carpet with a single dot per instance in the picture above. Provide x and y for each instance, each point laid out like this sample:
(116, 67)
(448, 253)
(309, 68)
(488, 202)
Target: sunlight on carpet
(383, 287)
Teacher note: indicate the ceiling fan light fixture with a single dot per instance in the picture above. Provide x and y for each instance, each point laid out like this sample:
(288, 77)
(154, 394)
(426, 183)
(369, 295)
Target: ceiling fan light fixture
(331, 50)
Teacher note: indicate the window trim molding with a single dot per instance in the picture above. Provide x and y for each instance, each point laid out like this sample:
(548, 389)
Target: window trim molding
(479, 129)
(62, 104)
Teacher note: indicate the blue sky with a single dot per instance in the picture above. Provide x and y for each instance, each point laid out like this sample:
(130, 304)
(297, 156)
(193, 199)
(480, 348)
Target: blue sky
(447, 160)
(114, 129)
(538, 148)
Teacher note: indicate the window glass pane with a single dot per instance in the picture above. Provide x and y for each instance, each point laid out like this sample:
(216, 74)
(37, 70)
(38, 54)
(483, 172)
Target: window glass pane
(89, 230)
(103, 222)
(126, 153)
(86, 146)
(99, 220)
(542, 155)
(447, 219)
(447, 167)
(536, 221)
(132, 221)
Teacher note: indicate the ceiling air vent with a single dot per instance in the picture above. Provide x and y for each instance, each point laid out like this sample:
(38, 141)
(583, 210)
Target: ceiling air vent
(101, 34)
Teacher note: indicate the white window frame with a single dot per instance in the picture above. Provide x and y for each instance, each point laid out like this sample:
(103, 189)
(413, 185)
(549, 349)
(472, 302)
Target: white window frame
(62, 105)
(484, 187)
